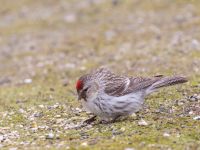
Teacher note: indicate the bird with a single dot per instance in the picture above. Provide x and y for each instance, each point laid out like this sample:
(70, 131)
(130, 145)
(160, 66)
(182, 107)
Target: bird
(110, 96)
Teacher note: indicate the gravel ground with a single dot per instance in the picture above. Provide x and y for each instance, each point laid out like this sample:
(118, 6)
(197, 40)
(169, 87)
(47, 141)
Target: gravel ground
(46, 45)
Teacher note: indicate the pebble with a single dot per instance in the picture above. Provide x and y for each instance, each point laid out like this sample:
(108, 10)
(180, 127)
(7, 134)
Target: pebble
(43, 127)
(41, 106)
(197, 118)
(122, 129)
(13, 148)
(37, 114)
(70, 18)
(7, 141)
(22, 111)
(166, 134)
(58, 121)
(20, 126)
(78, 109)
(67, 147)
(110, 35)
(1, 138)
(57, 116)
(34, 124)
(65, 82)
(129, 148)
(191, 112)
(133, 115)
(50, 136)
(4, 81)
(31, 118)
(34, 130)
(84, 144)
(142, 123)
(195, 44)
(194, 97)
(27, 81)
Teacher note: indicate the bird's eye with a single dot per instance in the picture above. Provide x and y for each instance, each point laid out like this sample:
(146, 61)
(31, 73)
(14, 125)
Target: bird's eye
(85, 90)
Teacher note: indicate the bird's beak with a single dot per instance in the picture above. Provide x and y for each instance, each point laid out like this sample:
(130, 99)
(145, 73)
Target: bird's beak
(79, 96)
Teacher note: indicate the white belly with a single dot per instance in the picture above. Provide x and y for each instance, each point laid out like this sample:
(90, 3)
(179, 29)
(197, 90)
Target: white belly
(109, 107)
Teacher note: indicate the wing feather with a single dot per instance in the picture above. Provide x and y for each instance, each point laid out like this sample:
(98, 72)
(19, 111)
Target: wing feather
(135, 84)
(117, 85)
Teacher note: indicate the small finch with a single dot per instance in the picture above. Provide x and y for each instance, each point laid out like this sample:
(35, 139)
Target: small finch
(110, 96)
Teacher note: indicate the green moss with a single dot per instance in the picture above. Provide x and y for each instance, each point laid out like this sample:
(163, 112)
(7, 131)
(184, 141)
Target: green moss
(65, 50)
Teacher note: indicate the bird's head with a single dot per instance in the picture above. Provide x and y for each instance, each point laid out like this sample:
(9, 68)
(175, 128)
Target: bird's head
(86, 87)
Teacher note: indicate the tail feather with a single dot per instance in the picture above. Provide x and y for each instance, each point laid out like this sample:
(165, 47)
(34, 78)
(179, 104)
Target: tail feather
(168, 81)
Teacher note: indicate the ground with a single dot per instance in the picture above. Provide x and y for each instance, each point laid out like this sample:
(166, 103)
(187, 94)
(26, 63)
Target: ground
(46, 45)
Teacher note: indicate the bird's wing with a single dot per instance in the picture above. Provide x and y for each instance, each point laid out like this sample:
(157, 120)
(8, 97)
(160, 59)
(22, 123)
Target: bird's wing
(116, 86)
(124, 85)
(140, 83)
(111, 83)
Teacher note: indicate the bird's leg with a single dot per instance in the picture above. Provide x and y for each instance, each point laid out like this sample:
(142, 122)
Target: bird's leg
(103, 122)
(114, 119)
(90, 120)
(111, 121)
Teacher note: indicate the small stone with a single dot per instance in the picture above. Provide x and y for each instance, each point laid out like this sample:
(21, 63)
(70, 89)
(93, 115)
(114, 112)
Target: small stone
(133, 115)
(20, 126)
(4, 81)
(166, 134)
(82, 68)
(58, 121)
(50, 97)
(8, 141)
(180, 103)
(70, 18)
(129, 148)
(42, 137)
(193, 98)
(110, 35)
(198, 97)
(84, 144)
(78, 109)
(34, 124)
(65, 82)
(178, 135)
(50, 136)
(191, 112)
(197, 118)
(1, 138)
(195, 44)
(21, 110)
(122, 129)
(31, 118)
(142, 123)
(37, 114)
(52, 89)
(34, 129)
(11, 113)
(43, 127)
(41, 106)
(13, 148)
(27, 81)
(57, 116)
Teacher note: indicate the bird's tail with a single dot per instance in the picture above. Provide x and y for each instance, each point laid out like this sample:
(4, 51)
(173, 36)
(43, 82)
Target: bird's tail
(167, 81)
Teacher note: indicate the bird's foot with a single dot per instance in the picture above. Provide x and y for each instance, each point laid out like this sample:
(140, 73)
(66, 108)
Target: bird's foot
(90, 120)
(109, 121)
(104, 122)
